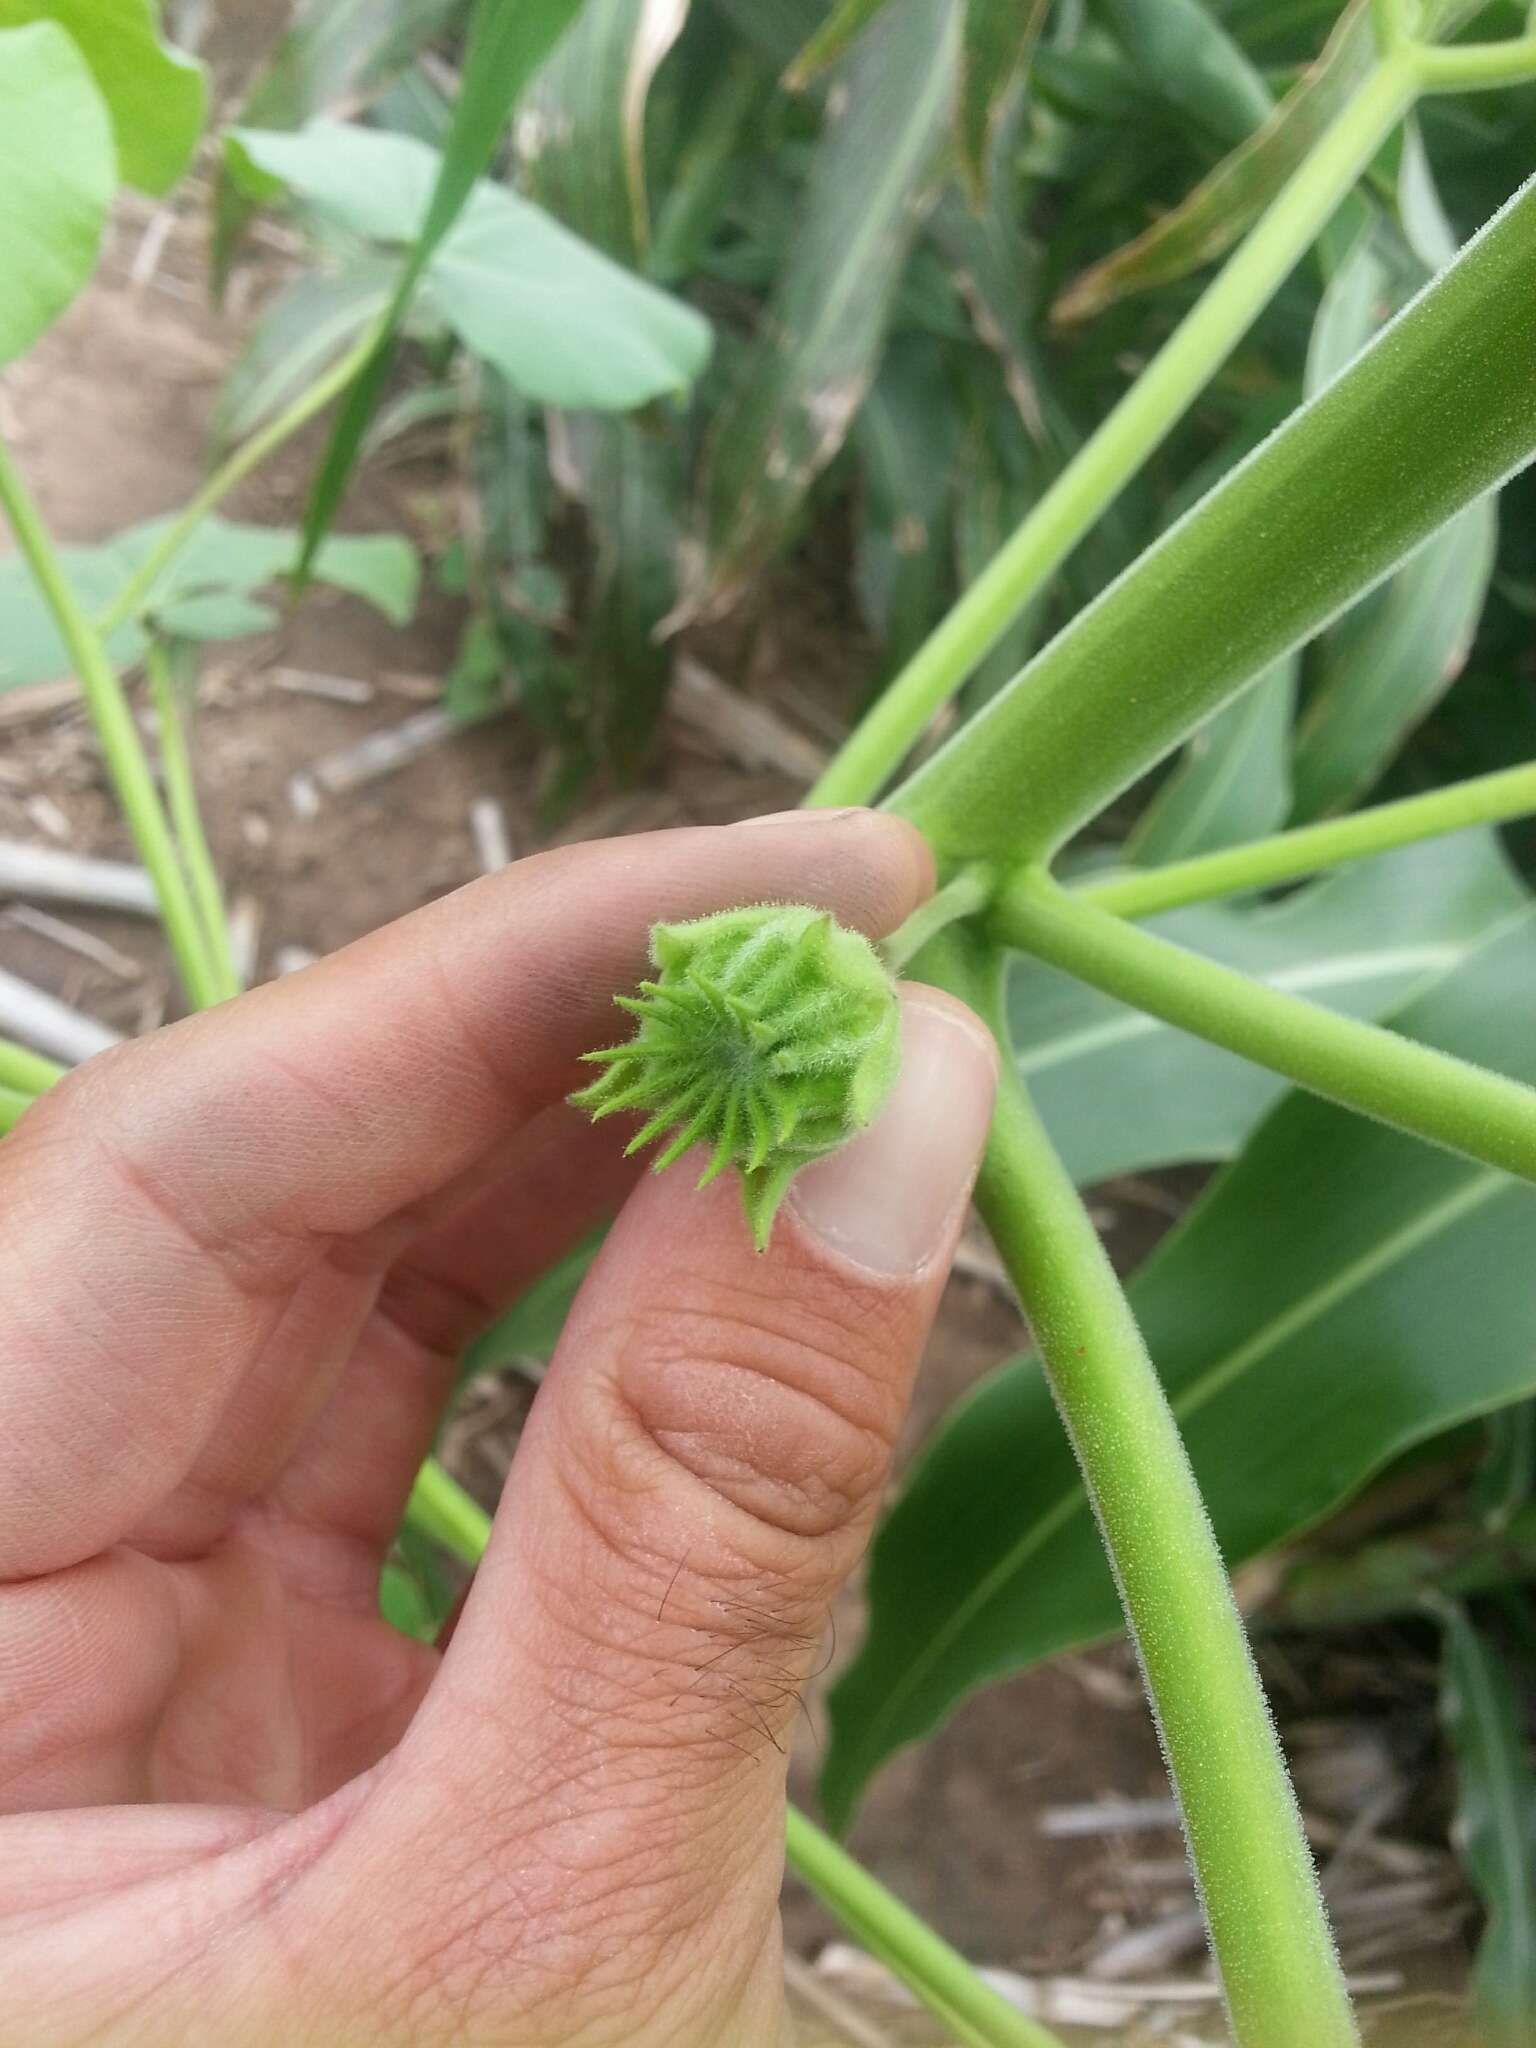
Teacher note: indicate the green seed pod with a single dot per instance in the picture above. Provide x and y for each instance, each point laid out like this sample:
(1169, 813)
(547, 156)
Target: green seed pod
(771, 1034)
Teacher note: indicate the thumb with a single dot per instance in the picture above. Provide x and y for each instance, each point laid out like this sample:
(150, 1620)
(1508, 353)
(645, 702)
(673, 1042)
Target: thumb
(699, 1476)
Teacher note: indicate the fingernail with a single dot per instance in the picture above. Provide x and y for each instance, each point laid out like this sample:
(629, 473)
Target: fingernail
(802, 817)
(889, 1199)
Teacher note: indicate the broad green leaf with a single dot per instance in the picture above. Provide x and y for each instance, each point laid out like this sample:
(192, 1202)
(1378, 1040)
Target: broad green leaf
(581, 138)
(155, 95)
(207, 592)
(561, 321)
(1216, 213)
(821, 339)
(506, 46)
(1234, 782)
(1122, 1092)
(58, 170)
(995, 48)
(1339, 1294)
(305, 328)
(832, 41)
(1389, 661)
(1190, 60)
(1495, 1825)
(335, 52)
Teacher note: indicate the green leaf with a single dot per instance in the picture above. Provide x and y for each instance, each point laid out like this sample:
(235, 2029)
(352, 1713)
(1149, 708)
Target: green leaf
(206, 593)
(1122, 1092)
(1216, 213)
(561, 321)
(58, 170)
(832, 41)
(1495, 1825)
(906, 435)
(995, 48)
(1234, 782)
(337, 51)
(306, 327)
(582, 138)
(507, 44)
(820, 343)
(156, 96)
(525, 1337)
(1310, 1319)
(1385, 666)
(1188, 58)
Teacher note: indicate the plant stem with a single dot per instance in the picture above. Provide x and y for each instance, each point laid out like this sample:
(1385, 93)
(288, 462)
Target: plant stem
(1474, 67)
(1287, 856)
(1267, 1927)
(1414, 1088)
(889, 1930)
(187, 823)
(130, 599)
(925, 1963)
(962, 896)
(1436, 412)
(1148, 412)
(120, 743)
(26, 1072)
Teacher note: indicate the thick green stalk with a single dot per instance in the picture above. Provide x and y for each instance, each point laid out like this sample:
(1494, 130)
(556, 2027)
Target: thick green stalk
(120, 743)
(1268, 1932)
(1475, 67)
(1288, 856)
(26, 1072)
(925, 1963)
(1482, 1115)
(131, 598)
(1148, 412)
(187, 823)
(1435, 413)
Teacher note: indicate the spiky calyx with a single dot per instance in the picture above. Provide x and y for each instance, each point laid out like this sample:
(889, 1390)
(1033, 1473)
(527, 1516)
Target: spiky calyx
(771, 1035)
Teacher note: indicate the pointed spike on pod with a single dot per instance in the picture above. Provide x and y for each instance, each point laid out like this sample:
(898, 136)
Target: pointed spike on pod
(690, 1135)
(607, 1054)
(669, 948)
(725, 1149)
(648, 1133)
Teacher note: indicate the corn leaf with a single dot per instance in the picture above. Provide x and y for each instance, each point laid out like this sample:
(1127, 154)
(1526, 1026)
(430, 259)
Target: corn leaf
(820, 344)
(995, 49)
(582, 136)
(906, 436)
(1122, 1092)
(156, 96)
(1216, 213)
(58, 171)
(832, 41)
(1187, 57)
(1495, 1825)
(507, 44)
(560, 320)
(1309, 1319)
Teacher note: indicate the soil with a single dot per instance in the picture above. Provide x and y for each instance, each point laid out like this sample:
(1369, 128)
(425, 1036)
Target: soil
(110, 419)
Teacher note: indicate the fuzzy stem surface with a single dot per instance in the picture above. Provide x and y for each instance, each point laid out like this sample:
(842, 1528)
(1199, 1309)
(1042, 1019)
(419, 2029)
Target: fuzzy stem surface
(187, 822)
(1106, 462)
(1414, 1088)
(1258, 1889)
(119, 737)
(1289, 856)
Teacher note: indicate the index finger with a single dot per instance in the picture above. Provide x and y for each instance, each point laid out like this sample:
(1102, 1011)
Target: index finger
(162, 1206)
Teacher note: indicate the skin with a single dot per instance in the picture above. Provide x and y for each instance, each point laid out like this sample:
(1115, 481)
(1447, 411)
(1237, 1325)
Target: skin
(237, 1263)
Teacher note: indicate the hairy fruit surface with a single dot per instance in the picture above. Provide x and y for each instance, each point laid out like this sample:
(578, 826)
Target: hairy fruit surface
(771, 1035)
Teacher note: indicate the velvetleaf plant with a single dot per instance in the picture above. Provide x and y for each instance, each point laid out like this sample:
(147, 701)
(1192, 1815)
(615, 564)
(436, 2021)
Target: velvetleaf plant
(771, 1035)
(1437, 413)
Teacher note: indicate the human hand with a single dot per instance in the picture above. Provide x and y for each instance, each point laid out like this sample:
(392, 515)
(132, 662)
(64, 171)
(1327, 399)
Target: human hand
(240, 1259)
